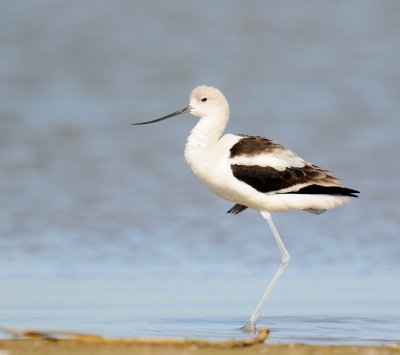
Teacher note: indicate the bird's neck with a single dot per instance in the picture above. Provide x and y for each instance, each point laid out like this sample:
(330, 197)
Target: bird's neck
(207, 131)
(202, 139)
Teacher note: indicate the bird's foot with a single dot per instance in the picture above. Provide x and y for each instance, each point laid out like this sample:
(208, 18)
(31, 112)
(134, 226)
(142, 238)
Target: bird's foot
(249, 328)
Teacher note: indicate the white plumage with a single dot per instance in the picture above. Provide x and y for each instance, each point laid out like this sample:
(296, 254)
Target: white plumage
(254, 172)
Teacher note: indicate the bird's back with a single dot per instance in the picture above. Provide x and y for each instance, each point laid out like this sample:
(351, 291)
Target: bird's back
(252, 171)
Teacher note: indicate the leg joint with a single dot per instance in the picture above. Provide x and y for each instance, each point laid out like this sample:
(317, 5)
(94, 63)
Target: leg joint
(285, 259)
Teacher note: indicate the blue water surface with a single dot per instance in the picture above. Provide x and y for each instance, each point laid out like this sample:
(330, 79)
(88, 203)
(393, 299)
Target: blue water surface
(103, 227)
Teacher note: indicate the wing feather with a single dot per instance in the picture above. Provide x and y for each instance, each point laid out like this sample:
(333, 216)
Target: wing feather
(269, 167)
(264, 152)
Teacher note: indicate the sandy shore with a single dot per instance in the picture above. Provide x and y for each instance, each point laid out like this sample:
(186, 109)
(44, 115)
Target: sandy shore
(44, 343)
(36, 347)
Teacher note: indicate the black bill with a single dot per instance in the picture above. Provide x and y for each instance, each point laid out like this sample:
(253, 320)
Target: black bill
(173, 114)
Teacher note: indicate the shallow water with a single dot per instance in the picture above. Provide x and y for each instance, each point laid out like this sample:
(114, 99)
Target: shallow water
(99, 234)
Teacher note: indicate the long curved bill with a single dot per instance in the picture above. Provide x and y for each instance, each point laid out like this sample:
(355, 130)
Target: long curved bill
(173, 114)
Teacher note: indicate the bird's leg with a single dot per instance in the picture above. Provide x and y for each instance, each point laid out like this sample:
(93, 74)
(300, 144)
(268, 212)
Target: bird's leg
(285, 257)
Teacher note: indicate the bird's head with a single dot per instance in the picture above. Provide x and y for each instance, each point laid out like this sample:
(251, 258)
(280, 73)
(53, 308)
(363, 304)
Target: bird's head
(204, 101)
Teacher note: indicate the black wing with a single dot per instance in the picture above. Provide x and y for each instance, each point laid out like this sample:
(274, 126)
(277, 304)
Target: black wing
(237, 209)
(266, 179)
(299, 177)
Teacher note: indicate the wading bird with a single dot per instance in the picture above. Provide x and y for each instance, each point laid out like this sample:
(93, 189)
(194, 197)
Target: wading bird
(254, 172)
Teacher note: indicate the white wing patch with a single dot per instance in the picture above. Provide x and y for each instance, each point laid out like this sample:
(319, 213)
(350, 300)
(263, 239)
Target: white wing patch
(279, 159)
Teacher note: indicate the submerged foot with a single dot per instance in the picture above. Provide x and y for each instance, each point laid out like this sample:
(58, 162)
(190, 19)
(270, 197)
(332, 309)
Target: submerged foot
(249, 328)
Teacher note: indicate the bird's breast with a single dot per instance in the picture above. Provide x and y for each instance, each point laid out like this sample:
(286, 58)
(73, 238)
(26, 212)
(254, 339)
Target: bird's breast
(211, 164)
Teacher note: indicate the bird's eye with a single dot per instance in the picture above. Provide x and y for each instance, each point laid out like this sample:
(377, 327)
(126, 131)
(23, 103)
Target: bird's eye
(204, 99)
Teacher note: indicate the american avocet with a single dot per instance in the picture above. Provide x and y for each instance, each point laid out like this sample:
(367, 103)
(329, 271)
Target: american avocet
(254, 172)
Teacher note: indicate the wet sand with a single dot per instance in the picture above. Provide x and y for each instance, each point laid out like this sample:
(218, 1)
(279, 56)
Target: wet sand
(42, 347)
(39, 342)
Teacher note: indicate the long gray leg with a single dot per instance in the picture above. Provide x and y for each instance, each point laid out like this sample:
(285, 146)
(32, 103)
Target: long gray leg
(285, 257)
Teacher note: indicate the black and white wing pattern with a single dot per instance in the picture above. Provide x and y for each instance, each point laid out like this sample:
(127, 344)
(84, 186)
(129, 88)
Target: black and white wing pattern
(271, 168)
